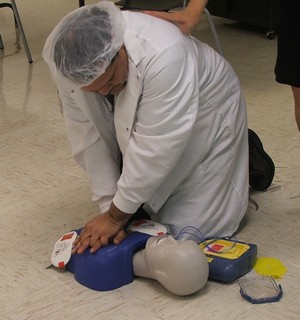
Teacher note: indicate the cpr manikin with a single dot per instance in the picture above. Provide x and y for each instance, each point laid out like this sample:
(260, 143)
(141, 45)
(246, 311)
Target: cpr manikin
(178, 265)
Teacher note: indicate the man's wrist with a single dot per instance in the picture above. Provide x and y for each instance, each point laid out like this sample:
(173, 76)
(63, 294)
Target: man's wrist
(117, 215)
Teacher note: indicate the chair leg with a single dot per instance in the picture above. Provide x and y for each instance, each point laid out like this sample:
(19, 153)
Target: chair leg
(1, 43)
(213, 30)
(20, 27)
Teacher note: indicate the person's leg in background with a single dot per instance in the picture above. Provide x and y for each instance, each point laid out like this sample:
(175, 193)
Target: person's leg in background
(287, 68)
(296, 93)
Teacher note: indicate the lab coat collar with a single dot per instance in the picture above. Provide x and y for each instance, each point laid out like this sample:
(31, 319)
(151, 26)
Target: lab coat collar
(134, 48)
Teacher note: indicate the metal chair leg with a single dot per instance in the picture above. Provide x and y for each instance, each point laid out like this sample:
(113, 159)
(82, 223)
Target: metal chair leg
(1, 43)
(213, 30)
(20, 27)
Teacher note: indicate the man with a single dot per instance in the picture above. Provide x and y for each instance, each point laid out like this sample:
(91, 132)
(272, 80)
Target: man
(156, 119)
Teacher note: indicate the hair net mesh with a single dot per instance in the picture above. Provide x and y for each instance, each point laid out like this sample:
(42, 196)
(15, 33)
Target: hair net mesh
(82, 45)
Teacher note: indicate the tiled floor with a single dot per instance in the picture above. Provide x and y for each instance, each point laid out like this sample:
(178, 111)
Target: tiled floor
(43, 193)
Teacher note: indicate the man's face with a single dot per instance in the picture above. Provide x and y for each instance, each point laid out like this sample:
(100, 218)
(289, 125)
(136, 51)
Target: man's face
(114, 78)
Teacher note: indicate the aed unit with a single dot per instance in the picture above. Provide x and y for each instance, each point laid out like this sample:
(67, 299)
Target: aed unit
(228, 259)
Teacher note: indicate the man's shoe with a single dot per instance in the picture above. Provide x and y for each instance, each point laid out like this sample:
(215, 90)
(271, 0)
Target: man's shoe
(261, 166)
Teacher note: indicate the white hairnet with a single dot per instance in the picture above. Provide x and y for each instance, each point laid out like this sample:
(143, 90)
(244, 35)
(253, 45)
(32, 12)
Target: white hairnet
(84, 42)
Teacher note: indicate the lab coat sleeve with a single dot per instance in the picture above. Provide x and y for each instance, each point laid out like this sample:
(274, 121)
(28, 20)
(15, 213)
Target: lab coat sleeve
(164, 121)
(90, 151)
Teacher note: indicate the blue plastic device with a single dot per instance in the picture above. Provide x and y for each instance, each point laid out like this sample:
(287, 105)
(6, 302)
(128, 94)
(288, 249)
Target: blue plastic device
(228, 260)
(108, 268)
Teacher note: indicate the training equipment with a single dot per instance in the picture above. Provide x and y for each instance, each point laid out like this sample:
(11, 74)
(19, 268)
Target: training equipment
(228, 260)
(63, 249)
(147, 226)
(110, 267)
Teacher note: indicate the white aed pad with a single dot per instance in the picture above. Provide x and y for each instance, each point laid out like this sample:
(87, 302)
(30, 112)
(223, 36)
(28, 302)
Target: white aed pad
(62, 250)
(148, 227)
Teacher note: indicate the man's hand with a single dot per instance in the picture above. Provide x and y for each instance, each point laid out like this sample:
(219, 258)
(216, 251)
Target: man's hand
(102, 230)
(186, 19)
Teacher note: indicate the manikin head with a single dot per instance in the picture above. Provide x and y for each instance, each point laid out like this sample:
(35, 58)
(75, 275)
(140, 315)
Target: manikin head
(179, 265)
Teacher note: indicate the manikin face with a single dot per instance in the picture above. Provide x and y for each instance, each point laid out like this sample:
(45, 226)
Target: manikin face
(179, 265)
(162, 244)
(160, 249)
(114, 78)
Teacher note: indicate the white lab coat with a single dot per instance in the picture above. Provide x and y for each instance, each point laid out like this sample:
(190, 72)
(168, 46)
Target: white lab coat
(180, 127)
